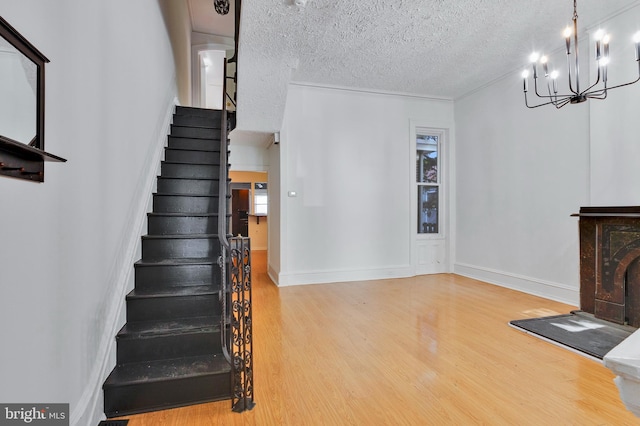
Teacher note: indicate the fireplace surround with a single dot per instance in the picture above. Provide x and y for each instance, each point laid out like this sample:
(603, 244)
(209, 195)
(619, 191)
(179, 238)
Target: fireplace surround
(610, 263)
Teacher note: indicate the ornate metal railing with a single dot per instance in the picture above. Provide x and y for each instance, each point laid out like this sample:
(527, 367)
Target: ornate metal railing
(235, 268)
(241, 324)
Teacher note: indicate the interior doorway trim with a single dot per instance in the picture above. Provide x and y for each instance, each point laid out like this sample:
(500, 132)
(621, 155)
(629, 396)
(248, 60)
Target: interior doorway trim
(225, 43)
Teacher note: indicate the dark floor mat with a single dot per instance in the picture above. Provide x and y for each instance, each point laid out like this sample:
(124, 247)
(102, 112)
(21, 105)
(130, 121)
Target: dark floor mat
(577, 330)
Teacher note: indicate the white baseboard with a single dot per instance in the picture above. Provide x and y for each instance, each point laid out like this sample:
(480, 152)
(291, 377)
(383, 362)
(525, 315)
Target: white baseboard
(273, 274)
(547, 289)
(89, 410)
(345, 275)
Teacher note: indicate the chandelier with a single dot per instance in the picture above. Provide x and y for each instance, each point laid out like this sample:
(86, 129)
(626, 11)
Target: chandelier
(221, 6)
(576, 95)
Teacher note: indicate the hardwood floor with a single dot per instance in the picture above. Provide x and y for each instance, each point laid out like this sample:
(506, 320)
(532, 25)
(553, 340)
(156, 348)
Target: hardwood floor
(429, 350)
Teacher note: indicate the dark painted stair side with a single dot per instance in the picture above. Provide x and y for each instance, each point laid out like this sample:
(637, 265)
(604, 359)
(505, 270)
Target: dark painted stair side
(185, 203)
(195, 132)
(182, 223)
(169, 352)
(177, 155)
(191, 171)
(158, 385)
(200, 186)
(196, 121)
(158, 247)
(168, 339)
(194, 143)
(175, 273)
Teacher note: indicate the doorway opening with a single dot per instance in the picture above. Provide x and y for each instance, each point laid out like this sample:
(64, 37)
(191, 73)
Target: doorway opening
(211, 78)
(240, 209)
(249, 201)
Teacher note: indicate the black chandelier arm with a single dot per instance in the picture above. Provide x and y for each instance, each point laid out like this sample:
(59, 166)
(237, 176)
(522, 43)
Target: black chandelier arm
(554, 96)
(600, 96)
(586, 91)
(571, 89)
(535, 85)
(557, 103)
(624, 84)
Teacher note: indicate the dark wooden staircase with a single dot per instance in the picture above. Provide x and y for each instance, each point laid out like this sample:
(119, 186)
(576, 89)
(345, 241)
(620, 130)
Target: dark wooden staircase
(169, 352)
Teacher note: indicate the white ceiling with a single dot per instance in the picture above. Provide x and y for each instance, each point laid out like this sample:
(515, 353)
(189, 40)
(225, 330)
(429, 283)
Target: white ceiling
(204, 18)
(439, 48)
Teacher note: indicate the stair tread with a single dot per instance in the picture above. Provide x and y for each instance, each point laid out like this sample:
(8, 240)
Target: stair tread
(193, 178)
(141, 329)
(180, 194)
(169, 148)
(173, 214)
(151, 371)
(215, 126)
(178, 261)
(191, 163)
(213, 143)
(194, 164)
(196, 109)
(178, 236)
(191, 137)
(195, 290)
(207, 139)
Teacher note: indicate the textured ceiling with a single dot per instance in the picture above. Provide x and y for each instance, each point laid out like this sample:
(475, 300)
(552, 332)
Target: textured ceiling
(439, 48)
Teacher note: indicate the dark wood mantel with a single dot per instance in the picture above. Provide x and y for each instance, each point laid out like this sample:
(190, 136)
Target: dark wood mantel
(610, 263)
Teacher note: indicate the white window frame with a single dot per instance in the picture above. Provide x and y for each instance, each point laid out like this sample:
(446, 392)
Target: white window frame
(442, 184)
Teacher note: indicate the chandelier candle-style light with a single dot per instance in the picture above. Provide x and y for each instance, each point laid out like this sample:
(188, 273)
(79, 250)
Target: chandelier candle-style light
(597, 90)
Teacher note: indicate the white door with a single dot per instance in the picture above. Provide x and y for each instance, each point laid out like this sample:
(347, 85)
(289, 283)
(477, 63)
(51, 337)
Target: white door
(430, 245)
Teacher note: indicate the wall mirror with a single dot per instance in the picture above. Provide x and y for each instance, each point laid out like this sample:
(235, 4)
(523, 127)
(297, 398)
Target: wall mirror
(19, 90)
(22, 93)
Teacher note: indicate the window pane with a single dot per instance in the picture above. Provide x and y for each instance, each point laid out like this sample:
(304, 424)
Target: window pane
(427, 209)
(427, 158)
(260, 199)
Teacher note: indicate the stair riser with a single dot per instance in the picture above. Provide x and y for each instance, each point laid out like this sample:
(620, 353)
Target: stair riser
(194, 132)
(195, 157)
(188, 186)
(191, 143)
(190, 171)
(175, 248)
(184, 204)
(191, 120)
(197, 112)
(162, 276)
(166, 308)
(145, 397)
(165, 225)
(168, 347)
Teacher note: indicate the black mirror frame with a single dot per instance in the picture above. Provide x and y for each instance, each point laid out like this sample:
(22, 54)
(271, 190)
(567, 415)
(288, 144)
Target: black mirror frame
(19, 160)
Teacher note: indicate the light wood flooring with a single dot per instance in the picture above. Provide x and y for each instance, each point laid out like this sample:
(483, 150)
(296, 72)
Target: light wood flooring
(429, 350)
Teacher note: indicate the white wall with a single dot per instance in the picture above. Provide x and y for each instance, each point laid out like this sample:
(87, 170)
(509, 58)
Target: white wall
(615, 148)
(346, 155)
(178, 23)
(521, 173)
(276, 200)
(68, 245)
(249, 158)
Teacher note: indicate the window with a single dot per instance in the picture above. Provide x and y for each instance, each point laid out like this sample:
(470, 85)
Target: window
(260, 199)
(428, 182)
